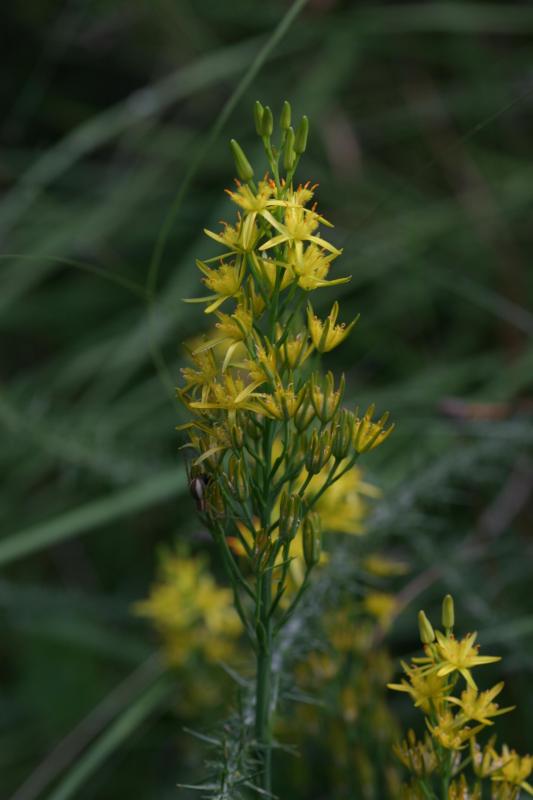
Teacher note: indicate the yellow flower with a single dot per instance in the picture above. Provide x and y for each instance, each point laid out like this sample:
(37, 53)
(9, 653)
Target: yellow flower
(294, 350)
(239, 238)
(201, 377)
(514, 769)
(225, 282)
(267, 268)
(253, 203)
(478, 705)
(310, 266)
(449, 731)
(459, 790)
(418, 757)
(284, 402)
(426, 689)
(368, 434)
(231, 395)
(189, 610)
(299, 225)
(460, 656)
(327, 335)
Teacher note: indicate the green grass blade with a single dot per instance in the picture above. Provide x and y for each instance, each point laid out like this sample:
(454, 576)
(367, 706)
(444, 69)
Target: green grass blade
(92, 515)
(112, 739)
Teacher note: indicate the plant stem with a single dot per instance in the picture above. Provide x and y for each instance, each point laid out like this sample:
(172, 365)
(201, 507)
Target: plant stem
(263, 726)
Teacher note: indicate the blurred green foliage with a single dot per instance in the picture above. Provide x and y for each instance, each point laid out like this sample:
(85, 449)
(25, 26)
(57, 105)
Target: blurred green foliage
(116, 114)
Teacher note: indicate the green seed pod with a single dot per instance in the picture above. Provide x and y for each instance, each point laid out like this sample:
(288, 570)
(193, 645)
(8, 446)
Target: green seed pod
(243, 166)
(267, 122)
(258, 116)
(312, 539)
(448, 612)
(289, 156)
(304, 416)
(318, 452)
(302, 132)
(341, 442)
(427, 634)
(289, 516)
(285, 116)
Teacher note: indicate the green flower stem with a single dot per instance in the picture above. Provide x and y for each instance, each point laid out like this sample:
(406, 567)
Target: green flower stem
(263, 723)
(284, 619)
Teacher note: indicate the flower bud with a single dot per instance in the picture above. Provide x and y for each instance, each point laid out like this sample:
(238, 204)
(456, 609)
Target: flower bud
(258, 116)
(267, 122)
(289, 156)
(237, 437)
(341, 442)
(304, 416)
(427, 634)
(312, 539)
(448, 612)
(243, 166)
(300, 140)
(294, 351)
(285, 117)
(289, 516)
(237, 479)
(326, 403)
(318, 452)
(368, 434)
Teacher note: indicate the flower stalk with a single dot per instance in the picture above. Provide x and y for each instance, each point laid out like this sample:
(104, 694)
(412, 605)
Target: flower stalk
(268, 431)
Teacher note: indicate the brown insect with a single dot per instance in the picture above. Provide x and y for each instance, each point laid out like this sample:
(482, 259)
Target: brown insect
(198, 483)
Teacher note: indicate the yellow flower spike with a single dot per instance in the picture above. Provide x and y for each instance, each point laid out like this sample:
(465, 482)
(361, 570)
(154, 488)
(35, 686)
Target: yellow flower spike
(460, 656)
(368, 434)
(327, 335)
(479, 706)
